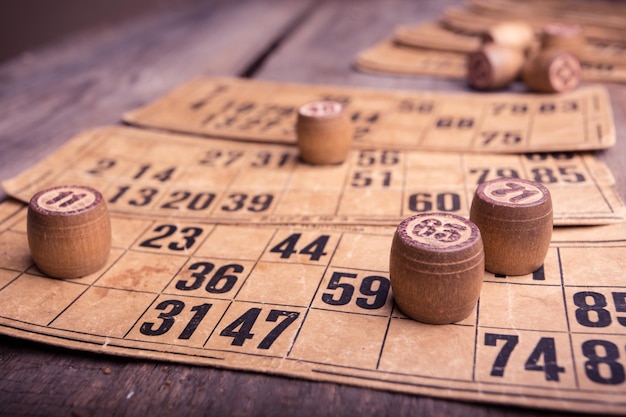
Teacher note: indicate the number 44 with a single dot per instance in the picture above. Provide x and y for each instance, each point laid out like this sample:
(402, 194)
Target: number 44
(545, 349)
(289, 246)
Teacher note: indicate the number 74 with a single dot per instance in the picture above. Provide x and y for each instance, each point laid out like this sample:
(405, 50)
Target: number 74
(545, 348)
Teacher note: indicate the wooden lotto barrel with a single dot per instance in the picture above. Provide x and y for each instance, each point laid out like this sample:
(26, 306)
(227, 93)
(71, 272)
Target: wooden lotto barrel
(436, 267)
(324, 133)
(515, 220)
(494, 66)
(69, 231)
(552, 71)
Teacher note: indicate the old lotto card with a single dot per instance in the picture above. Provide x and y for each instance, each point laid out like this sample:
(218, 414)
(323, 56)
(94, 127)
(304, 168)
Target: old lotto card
(505, 123)
(317, 304)
(236, 253)
(165, 175)
(399, 57)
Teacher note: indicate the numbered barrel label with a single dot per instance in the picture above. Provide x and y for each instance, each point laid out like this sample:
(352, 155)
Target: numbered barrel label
(67, 199)
(439, 230)
(321, 109)
(565, 72)
(514, 191)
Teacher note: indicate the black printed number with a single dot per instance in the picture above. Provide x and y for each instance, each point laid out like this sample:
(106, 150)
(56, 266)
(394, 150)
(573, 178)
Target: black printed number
(544, 351)
(451, 122)
(147, 171)
(592, 311)
(484, 173)
(371, 158)
(361, 179)
(241, 329)
(194, 202)
(102, 165)
(254, 203)
(289, 246)
(601, 365)
(542, 358)
(374, 290)
(171, 309)
(562, 174)
(504, 137)
(423, 202)
(222, 281)
(141, 197)
(188, 235)
(510, 341)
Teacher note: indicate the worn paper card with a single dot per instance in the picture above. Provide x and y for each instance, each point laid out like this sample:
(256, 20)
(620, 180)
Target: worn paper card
(162, 175)
(255, 110)
(390, 57)
(317, 304)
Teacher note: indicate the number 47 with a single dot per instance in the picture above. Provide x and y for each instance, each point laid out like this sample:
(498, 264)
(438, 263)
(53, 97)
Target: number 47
(545, 348)
(241, 329)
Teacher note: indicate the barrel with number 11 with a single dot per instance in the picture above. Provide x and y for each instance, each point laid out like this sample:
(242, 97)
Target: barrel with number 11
(69, 231)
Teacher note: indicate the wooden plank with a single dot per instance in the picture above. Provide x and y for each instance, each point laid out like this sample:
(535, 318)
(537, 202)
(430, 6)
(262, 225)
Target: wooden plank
(324, 50)
(52, 381)
(38, 22)
(90, 80)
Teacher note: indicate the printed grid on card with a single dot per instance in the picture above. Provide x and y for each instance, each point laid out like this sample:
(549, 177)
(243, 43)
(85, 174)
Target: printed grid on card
(317, 304)
(389, 57)
(256, 111)
(164, 175)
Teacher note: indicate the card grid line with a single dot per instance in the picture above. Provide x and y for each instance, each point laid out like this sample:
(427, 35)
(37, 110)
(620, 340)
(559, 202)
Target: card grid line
(329, 265)
(473, 390)
(234, 297)
(350, 218)
(569, 329)
(310, 304)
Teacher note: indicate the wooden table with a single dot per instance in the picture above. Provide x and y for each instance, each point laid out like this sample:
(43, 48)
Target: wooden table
(91, 78)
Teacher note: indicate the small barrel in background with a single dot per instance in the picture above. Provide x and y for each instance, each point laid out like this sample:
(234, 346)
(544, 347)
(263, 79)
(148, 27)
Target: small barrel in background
(552, 71)
(493, 66)
(324, 133)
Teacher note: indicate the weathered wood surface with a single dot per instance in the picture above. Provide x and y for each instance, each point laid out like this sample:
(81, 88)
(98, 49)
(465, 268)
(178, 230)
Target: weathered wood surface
(91, 79)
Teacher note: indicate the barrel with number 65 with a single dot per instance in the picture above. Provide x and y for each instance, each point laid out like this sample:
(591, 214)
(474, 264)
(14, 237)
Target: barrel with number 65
(436, 267)
(69, 231)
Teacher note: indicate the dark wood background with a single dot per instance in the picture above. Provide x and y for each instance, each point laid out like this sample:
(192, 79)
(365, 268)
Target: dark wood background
(104, 61)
